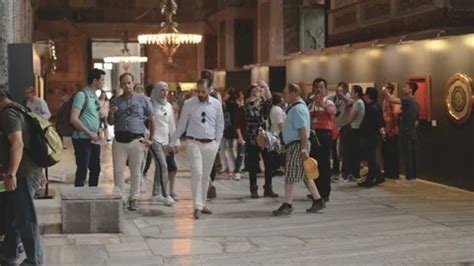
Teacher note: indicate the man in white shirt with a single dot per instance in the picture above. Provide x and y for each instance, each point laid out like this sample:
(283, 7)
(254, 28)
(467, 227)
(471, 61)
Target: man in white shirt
(203, 121)
(36, 104)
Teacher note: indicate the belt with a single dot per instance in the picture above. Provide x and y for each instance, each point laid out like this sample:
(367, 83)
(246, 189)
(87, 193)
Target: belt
(200, 140)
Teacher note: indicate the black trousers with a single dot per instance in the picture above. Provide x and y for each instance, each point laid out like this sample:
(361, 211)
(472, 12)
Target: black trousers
(252, 153)
(322, 155)
(336, 168)
(391, 157)
(409, 154)
(352, 153)
(371, 156)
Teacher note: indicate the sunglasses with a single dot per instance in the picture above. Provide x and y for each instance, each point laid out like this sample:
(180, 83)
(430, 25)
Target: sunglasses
(164, 111)
(129, 108)
(203, 115)
(97, 106)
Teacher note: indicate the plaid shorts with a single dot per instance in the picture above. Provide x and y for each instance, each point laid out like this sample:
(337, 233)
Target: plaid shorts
(294, 164)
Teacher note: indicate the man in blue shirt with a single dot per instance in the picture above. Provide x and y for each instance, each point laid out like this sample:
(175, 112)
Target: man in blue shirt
(295, 135)
(128, 113)
(203, 121)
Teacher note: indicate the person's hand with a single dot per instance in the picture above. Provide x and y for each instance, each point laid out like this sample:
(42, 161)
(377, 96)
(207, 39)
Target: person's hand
(95, 137)
(147, 142)
(10, 183)
(175, 150)
(304, 156)
(169, 149)
(43, 181)
(113, 108)
(240, 141)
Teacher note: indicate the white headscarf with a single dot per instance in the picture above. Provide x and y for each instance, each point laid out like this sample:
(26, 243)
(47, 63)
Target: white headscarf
(156, 96)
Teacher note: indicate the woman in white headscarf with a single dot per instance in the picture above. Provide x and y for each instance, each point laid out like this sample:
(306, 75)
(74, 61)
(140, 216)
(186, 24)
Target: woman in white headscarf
(165, 127)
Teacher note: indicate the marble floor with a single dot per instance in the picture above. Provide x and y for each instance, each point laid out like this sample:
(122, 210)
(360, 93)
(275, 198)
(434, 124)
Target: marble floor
(391, 224)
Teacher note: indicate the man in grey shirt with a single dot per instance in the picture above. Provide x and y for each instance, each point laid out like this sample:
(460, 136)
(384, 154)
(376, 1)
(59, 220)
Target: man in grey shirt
(36, 104)
(128, 113)
(352, 151)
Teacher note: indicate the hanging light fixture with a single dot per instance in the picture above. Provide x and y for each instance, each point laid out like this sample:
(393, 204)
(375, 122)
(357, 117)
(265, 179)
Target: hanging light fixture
(126, 58)
(169, 38)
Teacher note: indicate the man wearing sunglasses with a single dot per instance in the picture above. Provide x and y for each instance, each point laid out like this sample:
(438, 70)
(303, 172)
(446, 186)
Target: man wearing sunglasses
(203, 121)
(128, 113)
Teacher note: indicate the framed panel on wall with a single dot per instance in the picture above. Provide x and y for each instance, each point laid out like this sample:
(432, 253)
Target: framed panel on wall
(312, 28)
(423, 96)
(364, 85)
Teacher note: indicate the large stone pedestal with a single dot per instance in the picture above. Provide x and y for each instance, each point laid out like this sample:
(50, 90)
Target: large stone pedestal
(91, 210)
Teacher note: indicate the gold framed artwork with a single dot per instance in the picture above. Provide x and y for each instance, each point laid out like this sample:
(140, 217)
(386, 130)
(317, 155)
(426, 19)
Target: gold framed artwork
(364, 85)
(459, 98)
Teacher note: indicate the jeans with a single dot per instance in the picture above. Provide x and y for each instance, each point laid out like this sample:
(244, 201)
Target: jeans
(226, 154)
(371, 156)
(252, 152)
(391, 157)
(409, 154)
(21, 223)
(322, 155)
(87, 158)
(161, 170)
(240, 157)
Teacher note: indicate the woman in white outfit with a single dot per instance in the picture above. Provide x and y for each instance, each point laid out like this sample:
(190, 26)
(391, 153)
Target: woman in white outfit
(165, 127)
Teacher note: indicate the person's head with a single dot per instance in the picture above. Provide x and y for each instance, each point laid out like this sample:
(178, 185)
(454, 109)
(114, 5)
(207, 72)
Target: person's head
(410, 88)
(371, 95)
(292, 93)
(96, 78)
(277, 98)
(342, 88)
(230, 94)
(209, 75)
(356, 92)
(160, 91)
(254, 91)
(390, 88)
(127, 83)
(321, 84)
(30, 93)
(103, 96)
(203, 90)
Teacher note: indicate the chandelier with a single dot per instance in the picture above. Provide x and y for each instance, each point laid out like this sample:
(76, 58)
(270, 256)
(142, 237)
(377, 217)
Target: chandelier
(126, 58)
(169, 38)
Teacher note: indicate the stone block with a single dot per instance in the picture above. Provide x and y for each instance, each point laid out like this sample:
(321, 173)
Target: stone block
(91, 210)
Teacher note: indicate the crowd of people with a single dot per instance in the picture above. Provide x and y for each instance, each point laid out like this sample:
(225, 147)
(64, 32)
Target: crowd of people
(241, 128)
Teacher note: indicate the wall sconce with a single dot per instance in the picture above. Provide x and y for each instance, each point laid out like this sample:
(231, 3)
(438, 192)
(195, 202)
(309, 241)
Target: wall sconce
(404, 40)
(377, 44)
(347, 47)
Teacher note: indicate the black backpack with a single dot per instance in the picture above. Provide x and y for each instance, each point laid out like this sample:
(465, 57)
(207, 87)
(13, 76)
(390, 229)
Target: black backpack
(63, 116)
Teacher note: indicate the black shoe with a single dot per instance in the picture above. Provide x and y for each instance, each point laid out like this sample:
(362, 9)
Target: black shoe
(317, 206)
(254, 192)
(268, 192)
(379, 181)
(366, 184)
(285, 209)
(211, 192)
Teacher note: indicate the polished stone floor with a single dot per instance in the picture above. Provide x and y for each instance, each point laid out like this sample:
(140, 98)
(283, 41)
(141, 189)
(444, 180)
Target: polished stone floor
(391, 224)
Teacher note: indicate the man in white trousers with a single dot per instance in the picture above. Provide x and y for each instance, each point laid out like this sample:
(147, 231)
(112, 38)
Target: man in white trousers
(203, 121)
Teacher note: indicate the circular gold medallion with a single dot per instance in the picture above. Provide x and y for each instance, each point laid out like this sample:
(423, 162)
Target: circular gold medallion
(459, 98)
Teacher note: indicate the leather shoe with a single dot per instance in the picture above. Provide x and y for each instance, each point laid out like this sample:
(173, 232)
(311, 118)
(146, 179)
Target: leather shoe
(205, 210)
(196, 214)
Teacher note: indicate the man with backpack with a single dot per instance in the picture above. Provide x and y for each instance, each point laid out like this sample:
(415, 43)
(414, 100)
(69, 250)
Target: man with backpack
(86, 121)
(22, 177)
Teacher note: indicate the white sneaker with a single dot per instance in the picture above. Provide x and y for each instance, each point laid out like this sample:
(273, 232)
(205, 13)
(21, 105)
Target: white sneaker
(237, 176)
(159, 198)
(169, 201)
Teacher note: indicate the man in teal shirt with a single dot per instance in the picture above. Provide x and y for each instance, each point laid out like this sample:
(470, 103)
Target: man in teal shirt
(86, 121)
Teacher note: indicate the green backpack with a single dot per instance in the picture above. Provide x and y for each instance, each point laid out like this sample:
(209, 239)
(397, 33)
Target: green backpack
(45, 147)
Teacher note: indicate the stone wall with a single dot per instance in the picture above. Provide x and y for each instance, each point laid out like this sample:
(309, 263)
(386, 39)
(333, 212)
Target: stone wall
(16, 26)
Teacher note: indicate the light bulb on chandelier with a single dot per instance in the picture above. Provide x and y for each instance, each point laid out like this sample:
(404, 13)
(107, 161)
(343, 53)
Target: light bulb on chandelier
(126, 58)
